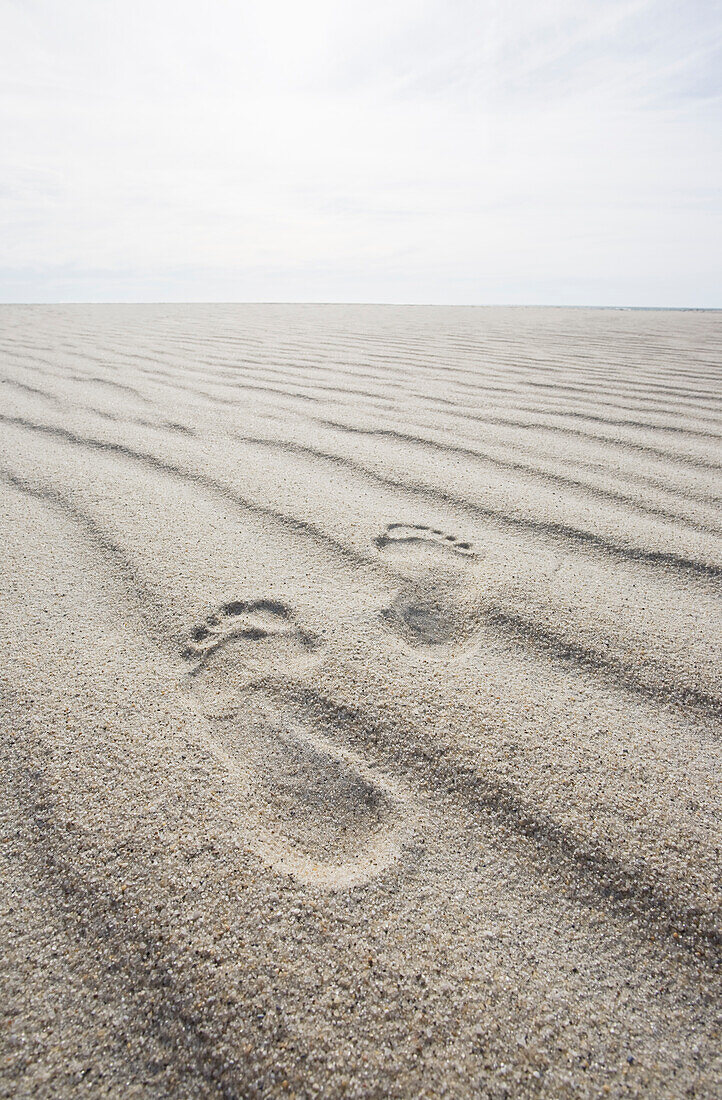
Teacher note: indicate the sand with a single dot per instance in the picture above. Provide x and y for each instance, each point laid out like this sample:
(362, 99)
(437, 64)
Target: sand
(361, 702)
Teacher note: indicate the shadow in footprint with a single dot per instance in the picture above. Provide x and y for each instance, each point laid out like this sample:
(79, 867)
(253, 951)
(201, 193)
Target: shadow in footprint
(437, 608)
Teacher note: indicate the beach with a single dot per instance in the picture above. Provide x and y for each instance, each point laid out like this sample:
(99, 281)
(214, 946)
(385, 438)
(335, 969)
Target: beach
(361, 701)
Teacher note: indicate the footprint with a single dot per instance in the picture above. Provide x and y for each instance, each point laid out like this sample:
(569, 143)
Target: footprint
(399, 535)
(314, 810)
(437, 609)
(247, 632)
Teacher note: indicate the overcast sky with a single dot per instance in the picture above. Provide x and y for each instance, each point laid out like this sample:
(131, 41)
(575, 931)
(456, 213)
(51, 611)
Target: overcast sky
(557, 151)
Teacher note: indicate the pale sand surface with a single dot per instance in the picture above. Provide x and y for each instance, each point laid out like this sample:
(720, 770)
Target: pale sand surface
(361, 702)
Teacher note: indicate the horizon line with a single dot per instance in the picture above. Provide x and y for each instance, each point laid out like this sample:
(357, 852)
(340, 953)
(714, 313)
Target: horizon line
(410, 305)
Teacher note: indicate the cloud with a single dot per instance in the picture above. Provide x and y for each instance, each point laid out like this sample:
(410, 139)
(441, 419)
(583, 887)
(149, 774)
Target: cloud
(377, 151)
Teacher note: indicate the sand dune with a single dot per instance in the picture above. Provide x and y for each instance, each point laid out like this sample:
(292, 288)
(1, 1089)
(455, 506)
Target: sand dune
(362, 702)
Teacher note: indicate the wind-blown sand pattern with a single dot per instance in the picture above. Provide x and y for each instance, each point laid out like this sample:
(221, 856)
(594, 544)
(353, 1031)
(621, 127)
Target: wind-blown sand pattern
(361, 691)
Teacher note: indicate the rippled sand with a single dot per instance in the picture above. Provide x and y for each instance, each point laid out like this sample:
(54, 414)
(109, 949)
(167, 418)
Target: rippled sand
(361, 702)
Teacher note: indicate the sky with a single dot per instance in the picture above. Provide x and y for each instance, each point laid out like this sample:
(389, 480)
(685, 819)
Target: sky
(470, 151)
